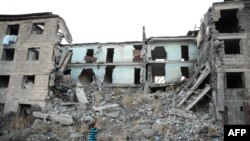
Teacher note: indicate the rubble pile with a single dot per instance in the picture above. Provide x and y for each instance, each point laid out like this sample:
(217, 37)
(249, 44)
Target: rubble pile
(121, 114)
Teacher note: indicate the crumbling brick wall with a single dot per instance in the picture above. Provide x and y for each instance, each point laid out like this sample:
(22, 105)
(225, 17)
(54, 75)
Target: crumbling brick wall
(225, 61)
(30, 64)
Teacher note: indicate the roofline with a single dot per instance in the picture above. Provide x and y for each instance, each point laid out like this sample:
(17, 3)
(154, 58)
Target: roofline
(19, 17)
(174, 38)
(228, 2)
(105, 43)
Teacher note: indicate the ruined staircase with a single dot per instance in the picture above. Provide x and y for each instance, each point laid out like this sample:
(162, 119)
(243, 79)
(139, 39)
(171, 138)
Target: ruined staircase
(188, 91)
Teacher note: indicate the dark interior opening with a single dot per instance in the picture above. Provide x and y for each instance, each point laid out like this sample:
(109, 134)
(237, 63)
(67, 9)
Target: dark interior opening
(38, 28)
(158, 73)
(24, 110)
(90, 52)
(108, 74)
(67, 72)
(185, 71)
(4, 81)
(110, 55)
(204, 82)
(228, 22)
(232, 46)
(1, 109)
(235, 80)
(28, 81)
(155, 89)
(184, 53)
(159, 53)
(138, 47)
(33, 54)
(241, 108)
(13, 29)
(86, 76)
(89, 58)
(137, 76)
(8, 54)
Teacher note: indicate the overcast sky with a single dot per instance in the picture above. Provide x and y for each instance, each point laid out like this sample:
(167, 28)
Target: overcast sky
(117, 20)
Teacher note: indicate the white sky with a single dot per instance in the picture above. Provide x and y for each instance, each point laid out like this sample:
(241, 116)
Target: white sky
(117, 20)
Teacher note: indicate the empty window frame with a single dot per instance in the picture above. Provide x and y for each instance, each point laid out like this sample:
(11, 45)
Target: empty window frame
(89, 56)
(158, 73)
(235, 80)
(38, 28)
(4, 81)
(137, 53)
(8, 54)
(90, 52)
(184, 53)
(137, 76)
(185, 71)
(13, 29)
(24, 110)
(232, 46)
(241, 108)
(159, 53)
(108, 78)
(33, 54)
(110, 55)
(228, 22)
(28, 81)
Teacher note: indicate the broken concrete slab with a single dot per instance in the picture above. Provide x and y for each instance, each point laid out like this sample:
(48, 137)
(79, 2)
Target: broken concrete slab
(204, 91)
(114, 114)
(81, 95)
(40, 115)
(63, 119)
(105, 107)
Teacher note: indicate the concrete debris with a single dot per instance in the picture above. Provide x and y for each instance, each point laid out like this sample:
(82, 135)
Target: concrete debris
(63, 119)
(105, 107)
(154, 94)
(114, 114)
(81, 95)
(132, 114)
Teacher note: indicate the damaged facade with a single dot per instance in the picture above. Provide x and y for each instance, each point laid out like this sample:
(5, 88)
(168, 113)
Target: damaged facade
(28, 59)
(212, 64)
(112, 64)
(156, 62)
(170, 59)
(223, 41)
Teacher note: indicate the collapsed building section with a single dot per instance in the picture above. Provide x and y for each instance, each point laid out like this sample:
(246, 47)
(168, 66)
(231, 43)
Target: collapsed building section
(223, 41)
(170, 59)
(111, 64)
(27, 53)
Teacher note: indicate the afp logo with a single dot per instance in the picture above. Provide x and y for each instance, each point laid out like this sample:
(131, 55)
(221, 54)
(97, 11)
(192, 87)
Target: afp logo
(234, 132)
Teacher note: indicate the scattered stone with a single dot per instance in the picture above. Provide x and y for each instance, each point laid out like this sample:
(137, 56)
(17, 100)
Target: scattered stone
(114, 114)
(148, 133)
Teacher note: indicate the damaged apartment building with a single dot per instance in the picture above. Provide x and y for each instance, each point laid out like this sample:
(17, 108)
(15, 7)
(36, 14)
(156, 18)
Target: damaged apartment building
(223, 42)
(111, 64)
(30, 58)
(212, 62)
(155, 62)
(169, 60)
